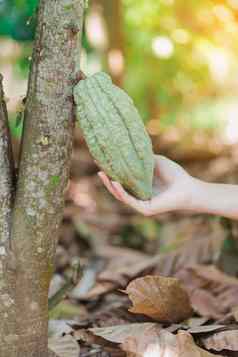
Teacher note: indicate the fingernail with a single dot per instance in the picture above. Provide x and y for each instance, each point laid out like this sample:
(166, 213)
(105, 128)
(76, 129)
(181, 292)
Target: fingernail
(115, 184)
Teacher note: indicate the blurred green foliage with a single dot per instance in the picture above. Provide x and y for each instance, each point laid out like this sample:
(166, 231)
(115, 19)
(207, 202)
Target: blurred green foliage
(17, 19)
(21, 66)
(180, 56)
(16, 128)
(142, 234)
(201, 35)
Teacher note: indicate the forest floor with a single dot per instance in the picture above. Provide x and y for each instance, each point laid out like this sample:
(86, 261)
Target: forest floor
(164, 286)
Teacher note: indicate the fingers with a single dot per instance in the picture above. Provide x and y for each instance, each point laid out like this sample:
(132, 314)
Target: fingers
(109, 185)
(141, 206)
(118, 192)
(168, 171)
(162, 165)
(161, 203)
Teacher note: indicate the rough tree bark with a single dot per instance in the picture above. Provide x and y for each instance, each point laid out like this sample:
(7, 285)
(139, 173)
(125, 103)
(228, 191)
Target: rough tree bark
(7, 268)
(43, 176)
(6, 169)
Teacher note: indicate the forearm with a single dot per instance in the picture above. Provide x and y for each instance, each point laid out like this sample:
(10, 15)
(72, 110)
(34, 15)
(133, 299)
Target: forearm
(216, 199)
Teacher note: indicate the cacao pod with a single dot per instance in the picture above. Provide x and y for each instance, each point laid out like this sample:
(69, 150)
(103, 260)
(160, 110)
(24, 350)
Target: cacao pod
(115, 133)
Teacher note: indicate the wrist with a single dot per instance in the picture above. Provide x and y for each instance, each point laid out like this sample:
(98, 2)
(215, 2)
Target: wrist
(198, 195)
(211, 198)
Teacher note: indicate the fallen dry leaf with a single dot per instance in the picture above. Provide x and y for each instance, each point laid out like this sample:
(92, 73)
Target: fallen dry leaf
(224, 340)
(120, 333)
(84, 335)
(160, 343)
(187, 347)
(100, 288)
(206, 304)
(150, 340)
(64, 346)
(214, 275)
(200, 245)
(161, 298)
(60, 327)
(165, 345)
(176, 327)
(235, 313)
(205, 329)
(196, 321)
(122, 265)
(212, 293)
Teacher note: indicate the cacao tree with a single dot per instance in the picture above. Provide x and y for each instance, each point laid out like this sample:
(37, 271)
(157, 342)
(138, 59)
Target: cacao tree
(31, 203)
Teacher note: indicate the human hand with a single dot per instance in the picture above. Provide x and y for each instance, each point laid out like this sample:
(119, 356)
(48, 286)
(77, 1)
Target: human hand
(173, 188)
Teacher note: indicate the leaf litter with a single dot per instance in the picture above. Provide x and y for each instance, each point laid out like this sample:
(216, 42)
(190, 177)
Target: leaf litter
(177, 302)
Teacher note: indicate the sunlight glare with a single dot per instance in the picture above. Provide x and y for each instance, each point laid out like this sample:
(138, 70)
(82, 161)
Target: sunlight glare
(96, 30)
(233, 3)
(163, 47)
(168, 2)
(155, 350)
(231, 131)
(223, 13)
(181, 36)
(116, 61)
(219, 64)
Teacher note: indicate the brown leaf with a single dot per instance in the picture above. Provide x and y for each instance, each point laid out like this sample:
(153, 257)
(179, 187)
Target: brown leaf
(124, 264)
(196, 321)
(159, 343)
(120, 333)
(201, 246)
(187, 347)
(214, 275)
(59, 327)
(235, 313)
(224, 340)
(212, 293)
(162, 343)
(84, 335)
(176, 327)
(205, 329)
(205, 304)
(150, 340)
(64, 346)
(161, 298)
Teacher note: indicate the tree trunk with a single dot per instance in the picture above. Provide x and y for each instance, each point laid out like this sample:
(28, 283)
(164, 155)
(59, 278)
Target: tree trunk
(43, 175)
(115, 53)
(7, 266)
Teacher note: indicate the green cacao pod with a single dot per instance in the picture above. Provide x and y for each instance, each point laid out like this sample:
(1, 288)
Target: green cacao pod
(115, 133)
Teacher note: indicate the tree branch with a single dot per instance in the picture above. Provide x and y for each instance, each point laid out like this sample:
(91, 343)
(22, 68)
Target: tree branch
(7, 267)
(44, 163)
(6, 171)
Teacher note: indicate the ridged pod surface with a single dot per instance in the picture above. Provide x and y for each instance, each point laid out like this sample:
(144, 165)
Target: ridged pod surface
(115, 134)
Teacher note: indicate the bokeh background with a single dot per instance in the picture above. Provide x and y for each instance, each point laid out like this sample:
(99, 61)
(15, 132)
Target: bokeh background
(178, 60)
